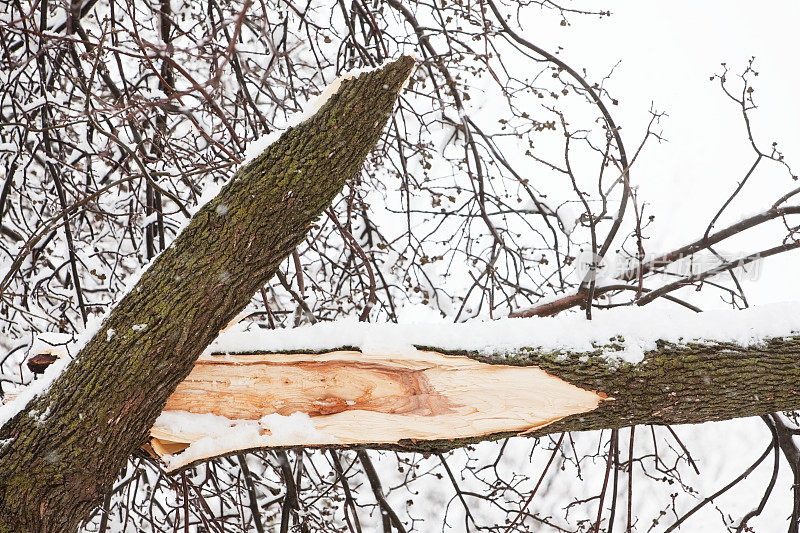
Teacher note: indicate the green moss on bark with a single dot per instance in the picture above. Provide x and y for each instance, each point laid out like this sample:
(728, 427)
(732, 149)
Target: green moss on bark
(675, 384)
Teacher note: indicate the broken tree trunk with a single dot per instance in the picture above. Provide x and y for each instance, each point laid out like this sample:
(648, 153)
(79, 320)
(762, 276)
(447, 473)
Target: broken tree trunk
(427, 400)
(62, 452)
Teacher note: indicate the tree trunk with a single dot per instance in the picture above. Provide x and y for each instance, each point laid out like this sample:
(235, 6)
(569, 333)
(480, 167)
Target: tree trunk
(64, 450)
(427, 401)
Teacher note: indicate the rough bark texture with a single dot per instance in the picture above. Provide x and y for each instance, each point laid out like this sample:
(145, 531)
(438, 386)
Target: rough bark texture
(685, 384)
(67, 447)
(673, 385)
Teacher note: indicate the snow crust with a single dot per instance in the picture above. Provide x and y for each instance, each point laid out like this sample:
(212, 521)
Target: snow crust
(223, 434)
(634, 329)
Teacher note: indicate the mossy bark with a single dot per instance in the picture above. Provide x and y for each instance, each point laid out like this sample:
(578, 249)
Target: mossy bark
(674, 384)
(688, 384)
(67, 447)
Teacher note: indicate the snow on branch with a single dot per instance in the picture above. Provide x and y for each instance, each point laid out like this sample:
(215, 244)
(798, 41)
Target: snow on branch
(627, 333)
(414, 386)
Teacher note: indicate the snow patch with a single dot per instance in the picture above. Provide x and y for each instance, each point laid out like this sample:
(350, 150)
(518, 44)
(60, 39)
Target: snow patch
(10, 409)
(53, 343)
(223, 435)
(625, 333)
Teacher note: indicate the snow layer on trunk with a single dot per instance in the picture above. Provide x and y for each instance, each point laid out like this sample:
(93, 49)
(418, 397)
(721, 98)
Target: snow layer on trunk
(635, 329)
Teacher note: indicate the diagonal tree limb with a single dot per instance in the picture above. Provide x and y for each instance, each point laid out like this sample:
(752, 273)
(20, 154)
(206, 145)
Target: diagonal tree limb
(61, 454)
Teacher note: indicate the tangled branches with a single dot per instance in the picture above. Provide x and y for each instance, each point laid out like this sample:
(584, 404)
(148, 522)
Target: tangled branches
(502, 186)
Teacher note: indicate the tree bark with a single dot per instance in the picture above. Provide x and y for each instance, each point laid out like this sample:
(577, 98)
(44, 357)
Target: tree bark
(425, 401)
(63, 451)
(678, 384)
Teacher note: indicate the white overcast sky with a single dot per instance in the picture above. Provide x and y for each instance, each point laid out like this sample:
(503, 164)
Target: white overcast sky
(667, 52)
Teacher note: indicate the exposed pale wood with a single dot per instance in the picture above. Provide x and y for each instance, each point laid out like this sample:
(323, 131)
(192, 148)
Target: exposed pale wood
(447, 401)
(354, 398)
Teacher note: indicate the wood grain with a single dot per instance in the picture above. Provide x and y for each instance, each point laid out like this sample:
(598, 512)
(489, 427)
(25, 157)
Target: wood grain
(354, 398)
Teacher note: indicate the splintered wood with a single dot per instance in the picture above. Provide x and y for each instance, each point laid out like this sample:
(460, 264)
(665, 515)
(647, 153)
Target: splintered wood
(354, 398)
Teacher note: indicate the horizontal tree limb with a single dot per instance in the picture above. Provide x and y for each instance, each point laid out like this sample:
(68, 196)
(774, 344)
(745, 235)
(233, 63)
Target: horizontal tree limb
(434, 401)
(348, 398)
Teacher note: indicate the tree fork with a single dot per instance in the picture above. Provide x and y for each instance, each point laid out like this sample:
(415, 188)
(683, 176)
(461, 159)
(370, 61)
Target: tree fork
(62, 453)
